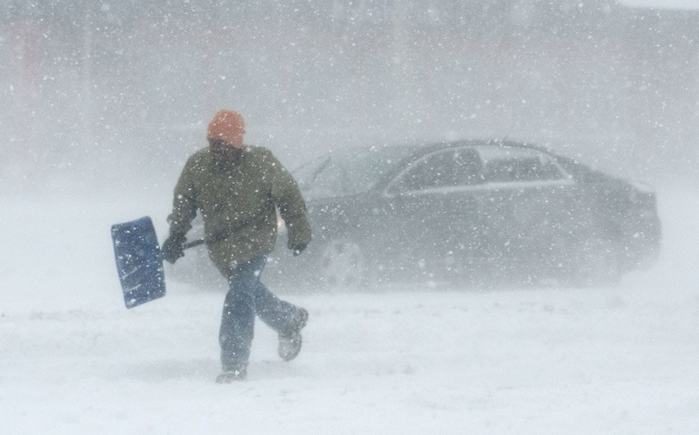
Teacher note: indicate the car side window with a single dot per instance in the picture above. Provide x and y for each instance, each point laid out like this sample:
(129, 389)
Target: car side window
(519, 165)
(449, 168)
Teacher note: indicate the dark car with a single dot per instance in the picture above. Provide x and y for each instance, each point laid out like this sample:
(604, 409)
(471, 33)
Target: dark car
(476, 212)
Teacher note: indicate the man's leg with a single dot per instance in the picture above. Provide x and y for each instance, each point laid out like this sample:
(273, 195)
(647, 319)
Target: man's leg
(238, 319)
(287, 319)
(279, 315)
(248, 296)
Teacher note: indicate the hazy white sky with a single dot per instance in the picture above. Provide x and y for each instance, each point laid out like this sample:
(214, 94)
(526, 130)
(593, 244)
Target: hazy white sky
(663, 4)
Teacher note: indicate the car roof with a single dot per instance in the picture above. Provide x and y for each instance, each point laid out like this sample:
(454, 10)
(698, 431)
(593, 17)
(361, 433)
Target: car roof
(422, 148)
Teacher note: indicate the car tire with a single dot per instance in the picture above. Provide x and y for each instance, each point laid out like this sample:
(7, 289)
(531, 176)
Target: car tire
(342, 266)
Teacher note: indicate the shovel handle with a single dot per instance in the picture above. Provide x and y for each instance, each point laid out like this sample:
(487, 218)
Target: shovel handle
(193, 243)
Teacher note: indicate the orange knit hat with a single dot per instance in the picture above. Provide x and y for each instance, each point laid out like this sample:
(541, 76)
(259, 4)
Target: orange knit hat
(227, 125)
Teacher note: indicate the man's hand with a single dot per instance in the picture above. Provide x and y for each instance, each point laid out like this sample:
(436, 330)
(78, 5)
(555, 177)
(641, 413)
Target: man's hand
(298, 248)
(173, 248)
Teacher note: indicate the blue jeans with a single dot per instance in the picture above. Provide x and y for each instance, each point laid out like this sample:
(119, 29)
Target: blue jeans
(246, 298)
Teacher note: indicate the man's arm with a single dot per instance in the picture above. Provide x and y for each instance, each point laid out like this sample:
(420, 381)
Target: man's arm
(184, 209)
(288, 199)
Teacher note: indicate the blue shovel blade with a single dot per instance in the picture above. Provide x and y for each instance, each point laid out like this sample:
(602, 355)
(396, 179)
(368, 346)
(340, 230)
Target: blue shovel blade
(139, 261)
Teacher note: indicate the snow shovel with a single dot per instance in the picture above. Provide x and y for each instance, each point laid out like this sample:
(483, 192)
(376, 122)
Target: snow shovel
(139, 261)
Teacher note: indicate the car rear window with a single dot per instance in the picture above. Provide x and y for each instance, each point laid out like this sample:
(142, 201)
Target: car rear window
(501, 165)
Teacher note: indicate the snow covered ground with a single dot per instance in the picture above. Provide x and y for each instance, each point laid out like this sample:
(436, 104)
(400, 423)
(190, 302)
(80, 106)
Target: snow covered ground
(417, 360)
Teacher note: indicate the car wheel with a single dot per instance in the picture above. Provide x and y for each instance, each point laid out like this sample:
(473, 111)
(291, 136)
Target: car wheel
(342, 265)
(598, 263)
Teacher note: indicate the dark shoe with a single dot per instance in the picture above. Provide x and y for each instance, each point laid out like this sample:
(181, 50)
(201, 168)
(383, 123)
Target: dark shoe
(290, 344)
(230, 376)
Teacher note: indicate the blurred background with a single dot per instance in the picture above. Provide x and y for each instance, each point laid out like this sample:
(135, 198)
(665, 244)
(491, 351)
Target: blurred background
(114, 95)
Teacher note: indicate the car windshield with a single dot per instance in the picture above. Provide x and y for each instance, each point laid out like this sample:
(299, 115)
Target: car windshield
(348, 171)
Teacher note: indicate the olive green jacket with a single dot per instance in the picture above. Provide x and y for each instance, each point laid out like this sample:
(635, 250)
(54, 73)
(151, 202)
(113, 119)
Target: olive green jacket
(238, 203)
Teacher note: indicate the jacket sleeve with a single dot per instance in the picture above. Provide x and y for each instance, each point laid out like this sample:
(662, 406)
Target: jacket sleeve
(286, 195)
(184, 204)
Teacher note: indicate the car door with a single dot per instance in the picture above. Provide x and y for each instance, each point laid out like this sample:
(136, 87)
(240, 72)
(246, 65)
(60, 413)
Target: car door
(529, 204)
(433, 213)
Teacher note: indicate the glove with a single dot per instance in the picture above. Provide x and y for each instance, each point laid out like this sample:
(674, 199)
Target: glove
(173, 248)
(298, 248)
